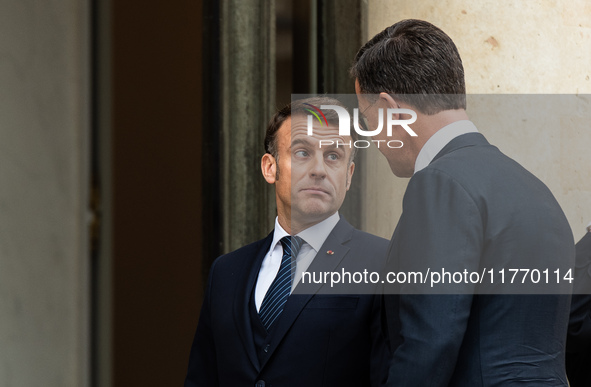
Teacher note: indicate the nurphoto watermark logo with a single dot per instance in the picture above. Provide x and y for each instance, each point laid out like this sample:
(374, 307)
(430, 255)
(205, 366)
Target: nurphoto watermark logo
(345, 125)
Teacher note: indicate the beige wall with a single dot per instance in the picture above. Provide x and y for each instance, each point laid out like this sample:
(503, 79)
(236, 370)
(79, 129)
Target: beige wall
(509, 47)
(44, 130)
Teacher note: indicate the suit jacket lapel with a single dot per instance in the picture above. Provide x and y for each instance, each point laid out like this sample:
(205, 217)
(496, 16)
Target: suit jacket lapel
(242, 296)
(322, 262)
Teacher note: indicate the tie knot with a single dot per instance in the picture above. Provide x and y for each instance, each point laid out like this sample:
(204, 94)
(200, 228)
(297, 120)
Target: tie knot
(291, 245)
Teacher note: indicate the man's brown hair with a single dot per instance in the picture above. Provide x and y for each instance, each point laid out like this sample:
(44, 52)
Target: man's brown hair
(416, 62)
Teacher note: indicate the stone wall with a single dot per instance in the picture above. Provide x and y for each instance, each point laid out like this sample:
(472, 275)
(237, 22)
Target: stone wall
(508, 47)
(44, 133)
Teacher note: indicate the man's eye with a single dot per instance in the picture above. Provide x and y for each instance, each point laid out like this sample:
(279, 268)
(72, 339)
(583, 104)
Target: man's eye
(301, 153)
(333, 156)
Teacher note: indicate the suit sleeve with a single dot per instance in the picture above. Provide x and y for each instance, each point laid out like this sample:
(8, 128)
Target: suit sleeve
(579, 330)
(380, 351)
(203, 370)
(441, 228)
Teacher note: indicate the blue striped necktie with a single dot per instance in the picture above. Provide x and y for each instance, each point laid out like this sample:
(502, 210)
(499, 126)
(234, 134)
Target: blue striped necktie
(276, 296)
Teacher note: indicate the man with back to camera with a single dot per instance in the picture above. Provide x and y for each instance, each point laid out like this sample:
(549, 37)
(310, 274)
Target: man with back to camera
(251, 331)
(466, 206)
(578, 343)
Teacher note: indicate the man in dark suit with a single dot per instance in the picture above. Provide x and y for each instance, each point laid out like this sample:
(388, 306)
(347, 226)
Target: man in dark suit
(578, 344)
(467, 206)
(250, 333)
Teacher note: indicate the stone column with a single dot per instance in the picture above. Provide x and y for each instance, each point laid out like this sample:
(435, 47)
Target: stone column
(247, 59)
(342, 29)
(44, 164)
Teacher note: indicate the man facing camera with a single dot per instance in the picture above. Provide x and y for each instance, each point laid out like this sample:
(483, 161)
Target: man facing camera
(467, 207)
(252, 331)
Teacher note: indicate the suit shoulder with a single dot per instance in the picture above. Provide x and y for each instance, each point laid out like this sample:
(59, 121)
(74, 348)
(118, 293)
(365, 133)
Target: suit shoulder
(373, 242)
(369, 237)
(480, 162)
(366, 252)
(583, 249)
(584, 245)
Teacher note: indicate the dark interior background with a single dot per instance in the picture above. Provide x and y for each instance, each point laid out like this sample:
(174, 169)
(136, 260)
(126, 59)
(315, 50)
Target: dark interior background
(161, 63)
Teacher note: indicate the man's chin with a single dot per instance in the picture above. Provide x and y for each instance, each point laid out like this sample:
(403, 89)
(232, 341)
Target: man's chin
(312, 213)
(398, 172)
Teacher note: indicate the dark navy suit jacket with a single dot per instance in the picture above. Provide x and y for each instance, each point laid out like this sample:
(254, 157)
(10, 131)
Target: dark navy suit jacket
(474, 208)
(318, 340)
(578, 357)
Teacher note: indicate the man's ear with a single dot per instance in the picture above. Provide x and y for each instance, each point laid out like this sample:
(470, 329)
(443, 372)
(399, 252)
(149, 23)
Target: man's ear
(391, 103)
(389, 100)
(269, 168)
(350, 170)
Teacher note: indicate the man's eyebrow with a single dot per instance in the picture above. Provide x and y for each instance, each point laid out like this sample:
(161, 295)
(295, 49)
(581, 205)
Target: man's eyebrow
(334, 147)
(300, 141)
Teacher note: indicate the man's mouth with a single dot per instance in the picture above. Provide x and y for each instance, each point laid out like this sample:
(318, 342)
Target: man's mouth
(315, 190)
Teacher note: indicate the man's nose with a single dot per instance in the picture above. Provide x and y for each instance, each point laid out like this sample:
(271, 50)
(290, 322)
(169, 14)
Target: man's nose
(318, 168)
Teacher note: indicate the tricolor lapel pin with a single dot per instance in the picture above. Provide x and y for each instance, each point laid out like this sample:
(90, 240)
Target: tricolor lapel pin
(330, 252)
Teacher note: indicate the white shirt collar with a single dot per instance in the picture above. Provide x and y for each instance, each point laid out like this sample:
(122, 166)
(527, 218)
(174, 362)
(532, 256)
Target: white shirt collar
(440, 139)
(278, 233)
(317, 234)
(314, 236)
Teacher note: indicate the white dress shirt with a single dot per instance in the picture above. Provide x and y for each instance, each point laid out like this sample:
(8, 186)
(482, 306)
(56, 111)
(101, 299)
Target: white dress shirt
(313, 237)
(440, 139)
